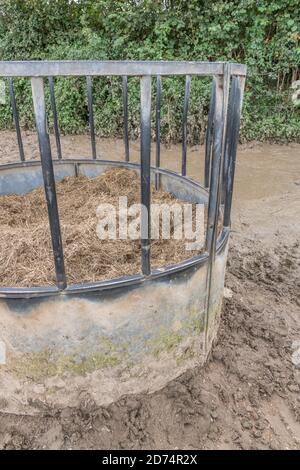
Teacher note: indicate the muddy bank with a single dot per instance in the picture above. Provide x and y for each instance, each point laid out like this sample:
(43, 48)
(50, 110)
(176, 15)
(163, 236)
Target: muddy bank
(25, 246)
(248, 395)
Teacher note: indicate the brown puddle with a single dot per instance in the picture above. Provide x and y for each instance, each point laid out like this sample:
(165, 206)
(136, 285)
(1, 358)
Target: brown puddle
(262, 169)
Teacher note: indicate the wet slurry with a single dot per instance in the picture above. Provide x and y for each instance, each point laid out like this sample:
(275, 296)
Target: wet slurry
(248, 394)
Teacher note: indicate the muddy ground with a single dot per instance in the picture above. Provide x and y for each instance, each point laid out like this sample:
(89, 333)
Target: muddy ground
(248, 395)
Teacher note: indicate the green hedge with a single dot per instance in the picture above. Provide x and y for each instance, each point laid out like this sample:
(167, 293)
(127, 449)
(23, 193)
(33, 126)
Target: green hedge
(264, 34)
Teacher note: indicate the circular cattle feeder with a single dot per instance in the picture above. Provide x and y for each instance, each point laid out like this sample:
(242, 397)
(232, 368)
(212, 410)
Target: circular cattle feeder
(134, 333)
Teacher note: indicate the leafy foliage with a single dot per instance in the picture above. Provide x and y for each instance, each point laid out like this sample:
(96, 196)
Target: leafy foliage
(264, 34)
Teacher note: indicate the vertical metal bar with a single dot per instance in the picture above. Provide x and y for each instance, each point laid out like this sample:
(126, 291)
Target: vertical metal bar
(89, 84)
(38, 96)
(228, 135)
(184, 122)
(157, 129)
(226, 86)
(16, 118)
(232, 136)
(125, 114)
(145, 172)
(242, 82)
(216, 163)
(55, 120)
(209, 134)
(221, 103)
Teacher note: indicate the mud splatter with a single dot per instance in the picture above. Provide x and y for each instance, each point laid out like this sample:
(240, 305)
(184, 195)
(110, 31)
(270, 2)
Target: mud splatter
(248, 395)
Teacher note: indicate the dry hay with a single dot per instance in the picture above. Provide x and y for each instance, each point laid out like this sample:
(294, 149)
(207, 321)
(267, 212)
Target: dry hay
(26, 257)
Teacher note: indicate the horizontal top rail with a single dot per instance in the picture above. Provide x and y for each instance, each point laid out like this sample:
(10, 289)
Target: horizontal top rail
(39, 68)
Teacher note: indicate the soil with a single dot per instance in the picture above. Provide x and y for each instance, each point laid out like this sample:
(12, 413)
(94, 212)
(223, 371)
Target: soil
(248, 394)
